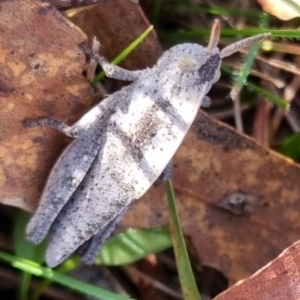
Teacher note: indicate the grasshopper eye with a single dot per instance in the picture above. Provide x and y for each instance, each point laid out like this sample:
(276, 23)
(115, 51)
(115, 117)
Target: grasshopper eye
(187, 64)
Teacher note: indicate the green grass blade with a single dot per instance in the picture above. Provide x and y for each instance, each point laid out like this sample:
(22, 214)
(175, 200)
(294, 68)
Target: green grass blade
(124, 53)
(25, 284)
(254, 88)
(186, 277)
(281, 33)
(189, 35)
(271, 97)
(37, 270)
(66, 267)
(241, 78)
(156, 12)
(244, 72)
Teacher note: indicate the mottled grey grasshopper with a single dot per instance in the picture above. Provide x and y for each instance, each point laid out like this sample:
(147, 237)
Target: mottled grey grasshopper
(122, 145)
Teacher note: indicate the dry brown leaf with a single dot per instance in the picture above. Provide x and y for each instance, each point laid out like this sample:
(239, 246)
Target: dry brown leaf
(280, 9)
(216, 165)
(41, 66)
(279, 280)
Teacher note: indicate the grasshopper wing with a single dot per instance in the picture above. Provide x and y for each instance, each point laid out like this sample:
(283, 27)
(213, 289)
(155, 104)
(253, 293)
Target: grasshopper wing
(64, 179)
(95, 204)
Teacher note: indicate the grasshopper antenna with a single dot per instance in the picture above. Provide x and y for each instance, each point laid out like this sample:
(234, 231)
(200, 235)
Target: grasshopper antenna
(214, 37)
(227, 51)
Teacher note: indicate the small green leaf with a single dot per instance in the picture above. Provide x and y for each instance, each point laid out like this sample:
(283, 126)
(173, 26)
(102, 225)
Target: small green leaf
(22, 247)
(133, 245)
(27, 250)
(291, 146)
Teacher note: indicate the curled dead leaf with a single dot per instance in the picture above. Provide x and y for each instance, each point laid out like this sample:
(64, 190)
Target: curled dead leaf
(278, 280)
